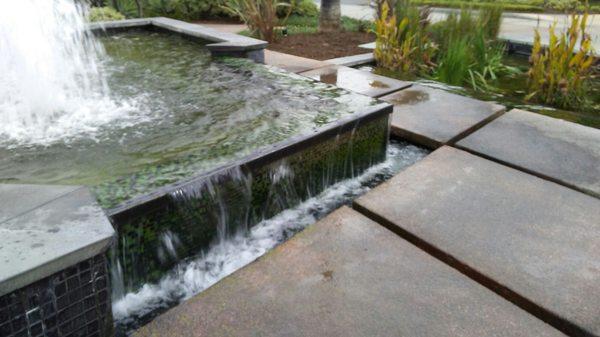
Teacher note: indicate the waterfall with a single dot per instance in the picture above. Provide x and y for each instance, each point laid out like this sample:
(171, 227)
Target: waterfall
(52, 85)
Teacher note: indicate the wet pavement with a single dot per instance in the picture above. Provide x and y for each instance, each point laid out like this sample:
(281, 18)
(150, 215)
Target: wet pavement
(347, 276)
(358, 81)
(433, 117)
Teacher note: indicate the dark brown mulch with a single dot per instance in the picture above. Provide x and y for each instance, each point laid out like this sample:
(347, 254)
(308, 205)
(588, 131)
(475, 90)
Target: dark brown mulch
(323, 46)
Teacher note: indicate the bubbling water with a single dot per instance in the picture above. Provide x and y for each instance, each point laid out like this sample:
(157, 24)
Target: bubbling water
(52, 85)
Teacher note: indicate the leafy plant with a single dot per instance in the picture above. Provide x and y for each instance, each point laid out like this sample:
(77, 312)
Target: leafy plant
(490, 20)
(402, 41)
(104, 14)
(454, 61)
(259, 15)
(559, 74)
(469, 51)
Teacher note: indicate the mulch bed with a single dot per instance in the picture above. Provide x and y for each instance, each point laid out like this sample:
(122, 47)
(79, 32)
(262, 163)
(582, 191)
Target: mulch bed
(323, 46)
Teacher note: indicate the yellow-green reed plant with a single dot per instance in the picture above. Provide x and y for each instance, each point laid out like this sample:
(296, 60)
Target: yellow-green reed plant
(259, 15)
(559, 73)
(402, 43)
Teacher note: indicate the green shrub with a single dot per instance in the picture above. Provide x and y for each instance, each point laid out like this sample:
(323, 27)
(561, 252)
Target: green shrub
(402, 43)
(301, 8)
(104, 14)
(529, 6)
(177, 9)
(297, 24)
(453, 63)
(563, 5)
(259, 15)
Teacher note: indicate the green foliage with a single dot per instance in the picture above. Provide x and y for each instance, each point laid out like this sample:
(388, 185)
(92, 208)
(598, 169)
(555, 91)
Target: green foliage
(402, 42)
(559, 74)
(564, 5)
(516, 6)
(453, 63)
(490, 20)
(177, 9)
(470, 54)
(461, 50)
(297, 24)
(306, 8)
(104, 14)
(259, 15)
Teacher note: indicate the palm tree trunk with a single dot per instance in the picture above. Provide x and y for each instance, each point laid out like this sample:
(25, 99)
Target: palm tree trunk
(330, 18)
(140, 9)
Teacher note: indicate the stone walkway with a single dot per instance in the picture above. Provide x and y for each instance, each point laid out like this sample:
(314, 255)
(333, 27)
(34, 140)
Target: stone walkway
(347, 276)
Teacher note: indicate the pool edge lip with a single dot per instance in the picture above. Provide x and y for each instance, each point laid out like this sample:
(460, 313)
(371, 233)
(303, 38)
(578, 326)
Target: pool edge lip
(82, 208)
(223, 43)
(260, 157)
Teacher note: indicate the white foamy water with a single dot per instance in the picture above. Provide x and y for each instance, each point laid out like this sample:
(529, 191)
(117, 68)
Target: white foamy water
(52, 84)
(223, 258)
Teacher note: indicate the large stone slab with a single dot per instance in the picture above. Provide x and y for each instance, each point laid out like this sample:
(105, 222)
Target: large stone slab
(49, 229)
(18, 199)
(355, 80)
(534, 241)
(291, 63)
(561, 151)
(347, 276)
(434, 117)
(353, 60)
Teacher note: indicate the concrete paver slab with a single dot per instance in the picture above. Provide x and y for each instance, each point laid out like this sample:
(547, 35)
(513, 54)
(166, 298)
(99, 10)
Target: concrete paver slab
(291, 63)
(347, 276)
(561, 151)
(434, 117)
(358, 81)
(535, 242)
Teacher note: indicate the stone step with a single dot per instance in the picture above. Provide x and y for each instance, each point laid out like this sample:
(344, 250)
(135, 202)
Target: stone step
(433, 117)
(561, 151)
(291, 63)
(361, 82)
(535, 242)
(347, 276)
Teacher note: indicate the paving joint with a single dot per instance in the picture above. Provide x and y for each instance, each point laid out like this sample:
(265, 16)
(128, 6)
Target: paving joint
(505, 292)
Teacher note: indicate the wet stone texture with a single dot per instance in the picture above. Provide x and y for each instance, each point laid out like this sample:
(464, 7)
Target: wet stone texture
(291, 63)
(534, 241)
(361, 82)
(564, 152)
(347, 276)
(433, 117)
(48, 229)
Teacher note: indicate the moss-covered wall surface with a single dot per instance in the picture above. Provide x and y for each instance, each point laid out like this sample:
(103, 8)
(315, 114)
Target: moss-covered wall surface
(190, 217)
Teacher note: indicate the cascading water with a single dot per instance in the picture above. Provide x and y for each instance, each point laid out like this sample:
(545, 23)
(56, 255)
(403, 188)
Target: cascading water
(227, 254)
(52, 85)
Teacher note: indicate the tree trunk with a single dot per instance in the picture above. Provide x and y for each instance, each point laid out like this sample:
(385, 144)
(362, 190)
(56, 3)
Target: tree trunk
(330, 18)
(140, 10)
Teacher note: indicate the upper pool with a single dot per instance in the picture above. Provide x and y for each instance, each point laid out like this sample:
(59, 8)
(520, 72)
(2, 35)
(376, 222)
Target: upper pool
(183, 112)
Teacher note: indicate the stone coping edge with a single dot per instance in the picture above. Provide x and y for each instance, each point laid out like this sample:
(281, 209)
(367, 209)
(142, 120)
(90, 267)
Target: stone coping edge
(96, 246)
(258, 158)
(221, 41)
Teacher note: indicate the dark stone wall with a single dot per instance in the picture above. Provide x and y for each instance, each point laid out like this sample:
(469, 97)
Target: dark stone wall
(73, 302)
